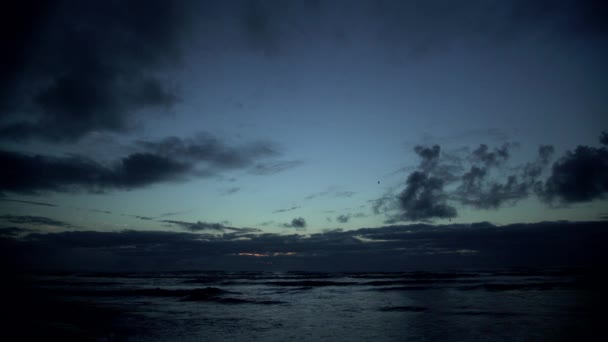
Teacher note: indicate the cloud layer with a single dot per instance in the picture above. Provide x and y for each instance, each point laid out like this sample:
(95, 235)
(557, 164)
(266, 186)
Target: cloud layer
(394, 248)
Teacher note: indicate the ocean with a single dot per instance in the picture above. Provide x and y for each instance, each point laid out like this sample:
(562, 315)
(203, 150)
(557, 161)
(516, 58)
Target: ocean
(464, 305)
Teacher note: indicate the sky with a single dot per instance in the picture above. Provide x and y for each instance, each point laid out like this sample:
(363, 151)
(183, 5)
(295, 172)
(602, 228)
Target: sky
(239, 126)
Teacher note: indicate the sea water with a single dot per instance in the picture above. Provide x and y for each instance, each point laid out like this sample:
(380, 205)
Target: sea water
(481, 305)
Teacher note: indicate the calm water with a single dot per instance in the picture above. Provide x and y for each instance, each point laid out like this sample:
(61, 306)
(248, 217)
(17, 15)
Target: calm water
(486, 305)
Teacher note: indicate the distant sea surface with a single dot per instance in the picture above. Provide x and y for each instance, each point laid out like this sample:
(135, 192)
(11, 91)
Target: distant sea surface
(481, 305)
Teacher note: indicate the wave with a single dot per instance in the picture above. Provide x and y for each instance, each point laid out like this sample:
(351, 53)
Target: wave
(403, 309)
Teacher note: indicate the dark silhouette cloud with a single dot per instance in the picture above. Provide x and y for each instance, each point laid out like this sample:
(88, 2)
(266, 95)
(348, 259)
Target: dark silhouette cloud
(207, 149)
(286, 209)
(170, 159)
(344, 194)
(424, 198)
(197, 226)
(172, 213)
(478, 189)
(578, 176)
(73, 68)
(416, 246)
(481, 179)
(299, 223)
(331, 191)
(534, 169)
(34, 220)
(100, 211)
(604, 138)
(386, 203)
(206, 226)
(144, 218)
(343, 218)
(491, 158)
(231, 191)
(429, 157)
(13, 231)
(488, 183)
(28, 202)
(272, 168)
(78, 172)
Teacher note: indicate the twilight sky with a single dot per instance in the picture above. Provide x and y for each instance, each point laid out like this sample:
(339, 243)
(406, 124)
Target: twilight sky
(237, 120)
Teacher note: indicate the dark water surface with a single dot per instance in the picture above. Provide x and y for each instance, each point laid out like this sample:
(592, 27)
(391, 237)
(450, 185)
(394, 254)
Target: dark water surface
(488, 305)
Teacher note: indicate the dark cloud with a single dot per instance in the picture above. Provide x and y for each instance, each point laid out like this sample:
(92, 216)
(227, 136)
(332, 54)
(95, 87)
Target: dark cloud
(438, 163)
(424, 198)
(394, 248)
(481, 179)
(480, 190)
(172, 213)
(604, 138)
(170, 159)
(343, 218)
(578, 176)
(74, 68)
(210, 151)
(429, 156)
(100, 211)
(344, 194)
(231, 191)
(491, 158)
(13, 231)
(274, 167)
(299, 223)
(534, 169)
(197, 226)
(331, 191)
(78, 172)
(214, 227)
(286, 209)
(144, 218)
(489, 183)
(34, 220)
(28, 202)
(386, 203)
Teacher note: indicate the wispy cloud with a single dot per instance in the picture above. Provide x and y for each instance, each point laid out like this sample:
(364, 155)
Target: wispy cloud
(286, 209)
(207, 226)
(271, 168)
(34, 220)
(331, 191)
(28, 202)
